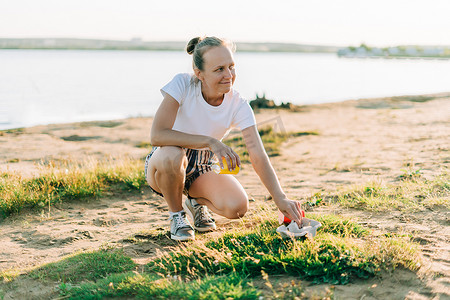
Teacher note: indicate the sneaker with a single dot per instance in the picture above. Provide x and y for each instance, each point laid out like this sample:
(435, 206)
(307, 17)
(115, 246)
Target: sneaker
(200, 214)
(180, 229)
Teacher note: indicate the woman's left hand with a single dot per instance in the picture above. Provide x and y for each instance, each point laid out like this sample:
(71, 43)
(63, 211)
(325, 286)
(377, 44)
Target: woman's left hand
(290, 208)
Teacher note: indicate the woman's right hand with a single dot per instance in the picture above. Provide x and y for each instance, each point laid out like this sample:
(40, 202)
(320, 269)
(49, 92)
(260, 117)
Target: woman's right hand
(222, 150)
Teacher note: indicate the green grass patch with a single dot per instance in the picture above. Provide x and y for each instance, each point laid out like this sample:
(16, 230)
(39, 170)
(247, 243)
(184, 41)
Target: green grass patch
(67, 182)
(272, 142)
(144, 144)
(105, 124)
(86, 266)
(151, 286)
(9, 275)
(12, 131)
(77, 138)
(413, 98)
(411, 174)
(411, 193)
(339, 226)
(336, 255)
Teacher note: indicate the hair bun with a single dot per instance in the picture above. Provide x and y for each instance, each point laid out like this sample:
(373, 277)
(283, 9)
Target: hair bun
(191, 45)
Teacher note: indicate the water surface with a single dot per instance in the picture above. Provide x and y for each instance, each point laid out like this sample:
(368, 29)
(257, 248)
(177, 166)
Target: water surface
(54, 86)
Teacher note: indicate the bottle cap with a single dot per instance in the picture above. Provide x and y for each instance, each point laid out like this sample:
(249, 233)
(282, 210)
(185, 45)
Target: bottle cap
(282, 219)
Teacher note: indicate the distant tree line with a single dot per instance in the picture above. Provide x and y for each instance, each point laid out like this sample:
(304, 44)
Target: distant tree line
(398, 51)
(139, 44)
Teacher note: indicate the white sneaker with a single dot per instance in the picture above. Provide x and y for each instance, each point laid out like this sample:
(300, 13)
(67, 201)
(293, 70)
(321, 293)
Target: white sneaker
(180, 229)
(308, 228)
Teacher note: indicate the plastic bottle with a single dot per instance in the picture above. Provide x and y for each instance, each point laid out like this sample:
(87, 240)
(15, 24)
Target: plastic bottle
(216, 168)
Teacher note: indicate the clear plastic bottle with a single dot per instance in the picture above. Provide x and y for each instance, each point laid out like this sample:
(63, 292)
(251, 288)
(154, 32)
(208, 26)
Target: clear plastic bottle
(216, 168)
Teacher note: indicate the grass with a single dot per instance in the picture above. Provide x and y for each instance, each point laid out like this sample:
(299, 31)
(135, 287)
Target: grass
(12, 131)
(413, 98)
(9, 275)
(342, 251)
(411, 193)
(105, 124)
(150, 286)
(233, 265)
(144, 144)
(67, 182)
(87, 266)
(272, 142)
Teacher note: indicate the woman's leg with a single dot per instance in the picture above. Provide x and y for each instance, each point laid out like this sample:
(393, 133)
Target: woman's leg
(222, 193)
(166, 174)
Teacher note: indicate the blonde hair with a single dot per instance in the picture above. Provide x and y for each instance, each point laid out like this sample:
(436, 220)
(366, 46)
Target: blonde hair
(199, 45)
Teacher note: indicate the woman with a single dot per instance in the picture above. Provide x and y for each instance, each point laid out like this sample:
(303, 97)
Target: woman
(195, 114)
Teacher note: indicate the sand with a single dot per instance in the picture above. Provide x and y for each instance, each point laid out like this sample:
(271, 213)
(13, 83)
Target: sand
(357, 142)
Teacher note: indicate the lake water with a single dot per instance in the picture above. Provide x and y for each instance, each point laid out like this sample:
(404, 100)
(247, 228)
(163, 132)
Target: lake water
(57, 86)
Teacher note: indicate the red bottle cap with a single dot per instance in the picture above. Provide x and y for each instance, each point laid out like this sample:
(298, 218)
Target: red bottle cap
(282, 219)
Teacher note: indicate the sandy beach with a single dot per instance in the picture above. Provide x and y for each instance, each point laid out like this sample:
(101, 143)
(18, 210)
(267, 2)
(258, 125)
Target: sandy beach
(357, 142)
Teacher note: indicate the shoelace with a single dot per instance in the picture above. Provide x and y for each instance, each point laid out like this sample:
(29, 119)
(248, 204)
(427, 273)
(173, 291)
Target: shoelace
(203, 215)
(180, 221)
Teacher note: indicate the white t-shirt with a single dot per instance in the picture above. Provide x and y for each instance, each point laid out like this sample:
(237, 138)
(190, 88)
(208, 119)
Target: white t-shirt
(196, 116)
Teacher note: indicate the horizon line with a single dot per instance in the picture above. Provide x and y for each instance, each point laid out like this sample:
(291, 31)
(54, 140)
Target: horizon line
(234, 41)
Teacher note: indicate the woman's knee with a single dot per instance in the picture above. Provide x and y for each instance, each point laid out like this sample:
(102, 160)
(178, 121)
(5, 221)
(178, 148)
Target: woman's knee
(171, 160)
(237, 207)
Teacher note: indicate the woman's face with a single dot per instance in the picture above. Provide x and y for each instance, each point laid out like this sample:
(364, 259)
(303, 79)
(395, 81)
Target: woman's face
(218, 75)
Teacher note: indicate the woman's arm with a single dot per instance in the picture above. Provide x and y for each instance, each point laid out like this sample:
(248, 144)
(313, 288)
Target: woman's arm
(261, 163)
(163, 135)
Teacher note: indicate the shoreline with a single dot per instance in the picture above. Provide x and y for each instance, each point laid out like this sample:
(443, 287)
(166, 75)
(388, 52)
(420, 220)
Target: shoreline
(391, 99)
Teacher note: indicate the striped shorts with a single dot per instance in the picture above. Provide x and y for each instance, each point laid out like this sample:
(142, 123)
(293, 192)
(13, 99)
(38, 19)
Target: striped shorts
(199, 162)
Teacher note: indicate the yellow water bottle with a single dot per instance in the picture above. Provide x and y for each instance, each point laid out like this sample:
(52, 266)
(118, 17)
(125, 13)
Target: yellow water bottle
(216, 168)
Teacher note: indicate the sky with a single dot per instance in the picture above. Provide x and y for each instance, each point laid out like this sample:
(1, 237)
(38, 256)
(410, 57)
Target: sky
(318, 22)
